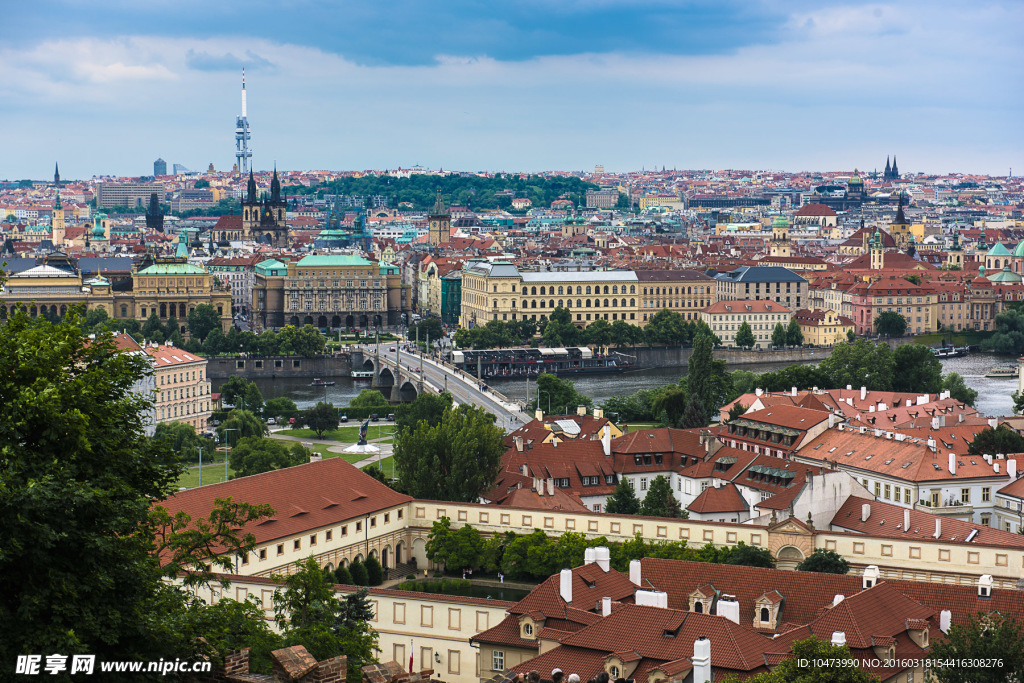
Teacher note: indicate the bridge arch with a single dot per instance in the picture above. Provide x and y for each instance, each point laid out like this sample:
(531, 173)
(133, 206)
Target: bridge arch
(386, 378)
(407, 392)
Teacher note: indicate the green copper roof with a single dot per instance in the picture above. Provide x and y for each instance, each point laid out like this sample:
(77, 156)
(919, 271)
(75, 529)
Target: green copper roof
(998, 250)
(1019, 251)
(1005, 275)
(333, 261)
(780, 222)
(173, 269)
(265, 267)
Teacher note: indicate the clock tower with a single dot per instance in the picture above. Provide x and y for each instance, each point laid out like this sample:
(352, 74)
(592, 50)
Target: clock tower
(439, 222)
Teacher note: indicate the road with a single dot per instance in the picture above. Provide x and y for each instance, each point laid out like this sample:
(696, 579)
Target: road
(463, 388)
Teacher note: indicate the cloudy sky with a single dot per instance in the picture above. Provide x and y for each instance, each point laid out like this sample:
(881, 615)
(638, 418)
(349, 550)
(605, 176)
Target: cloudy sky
(107, 86)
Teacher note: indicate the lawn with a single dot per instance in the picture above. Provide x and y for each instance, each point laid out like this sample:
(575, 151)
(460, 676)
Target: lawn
(342, 434)
(212, 474)
(633, 426)
(385, 464)
(964, 338)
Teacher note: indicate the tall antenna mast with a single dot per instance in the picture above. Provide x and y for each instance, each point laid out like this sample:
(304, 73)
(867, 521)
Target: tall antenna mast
(242, 152)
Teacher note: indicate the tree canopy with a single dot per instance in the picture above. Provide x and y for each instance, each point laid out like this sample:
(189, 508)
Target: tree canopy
(456, 459)
(890, 324)
(623, 500)
(916, 369)
(1009, 336)
(824, 561)
(241, 393)
(428, 407)
(254, 455)
(369, 398)
(202, 320)
(745, 336)
(1003, 439)
(996, 638)
(660, 501)
(814, 661)
(321, 418)
(558, 396)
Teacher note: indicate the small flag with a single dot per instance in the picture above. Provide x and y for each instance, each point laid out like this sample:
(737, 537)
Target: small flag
(410, 655)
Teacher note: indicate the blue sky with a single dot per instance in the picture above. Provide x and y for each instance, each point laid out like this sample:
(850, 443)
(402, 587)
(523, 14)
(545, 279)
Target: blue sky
(105, 87)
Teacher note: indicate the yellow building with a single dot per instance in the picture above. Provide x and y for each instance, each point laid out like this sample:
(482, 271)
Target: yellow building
(726, 317)
(686, 292)
(500, 291)
(823, 327)
(182, 387)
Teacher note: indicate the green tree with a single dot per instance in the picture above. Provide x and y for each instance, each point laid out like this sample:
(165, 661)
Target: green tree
(254, 455)
(824, 561)
(321, 418)
(152, 326)
(369, 398)
(241, 393)
(360, 577)
(1018, 402)
(850, 336)
(1009, 336)
(736, 411)
(374, 571)
(989, 441)
(861, 363)
(77, 491)
(750, 556)
(359, 639)
(745, 336)
(794, 335)
(528, 556)
(280, 407)
(426, 328)
(672, 400)
(456, 459)
(814, 661)
(917, 370)
(707, 378)
(890, 324)
(202, 320)
(184, 441)
(623, 501)
(660, 501)
(555, 395)
(429, 407)
(999, 639)
(916, 279)
(240, 424)
(779, 335)
(958, 389)
(343, 576)
(598, 333)
(457, 549)
(694, 416)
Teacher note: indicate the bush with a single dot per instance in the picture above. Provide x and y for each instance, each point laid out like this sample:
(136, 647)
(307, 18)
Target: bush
(343, 575)
(438, 575)
(360, 576)
(374, 572)
(410, 576)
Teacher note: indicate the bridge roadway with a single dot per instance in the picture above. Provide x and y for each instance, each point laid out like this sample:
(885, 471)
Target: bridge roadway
(464, 388)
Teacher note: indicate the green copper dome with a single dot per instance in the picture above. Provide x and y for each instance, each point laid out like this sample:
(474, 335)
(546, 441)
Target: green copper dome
(1019, 251)
(780, 222)
(998, 250)
(1005, 275)
(97, 230)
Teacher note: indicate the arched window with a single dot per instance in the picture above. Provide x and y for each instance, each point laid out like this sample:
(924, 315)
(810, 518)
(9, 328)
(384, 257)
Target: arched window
(495, 303)
(551, 304)
(698, 607)
(615, 303)
(606, 289)
(588, 289)
(632, 289)
(542, 292)
(579, 304)
(542, 303)
(588, 303)
(765, 615)
(533, 304)
(623, 303)
(606, 301)
(632, 302)
(689, 290)
(615, 289)
(533, 290)
(559, 290)
(560, 301)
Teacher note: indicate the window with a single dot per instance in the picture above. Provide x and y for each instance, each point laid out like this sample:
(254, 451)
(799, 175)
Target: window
(312, 539)
(614, 671)
(297, 544)
(698, 607)
(986, 494)
(965, 495)
(280, 548)
(263, 554)
(344, 530)
(498, 660)
(643, 483)
(328, 535)
(765, 615)
(528, 629)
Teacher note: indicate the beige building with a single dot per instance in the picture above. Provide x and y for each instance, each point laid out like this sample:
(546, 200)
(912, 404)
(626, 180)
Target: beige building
(726, 317)
(823, 327)
(500, 291)
(686, 292)
(182, 387)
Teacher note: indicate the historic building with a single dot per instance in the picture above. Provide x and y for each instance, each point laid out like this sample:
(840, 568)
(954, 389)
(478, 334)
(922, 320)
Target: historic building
(763, 282)
(439, 221)
(726, 317)
(328, 291)
(686, 292)
(262, 220)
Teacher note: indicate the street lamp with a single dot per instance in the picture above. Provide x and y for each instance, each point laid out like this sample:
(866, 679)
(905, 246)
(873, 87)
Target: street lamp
(226, 452)
(200, 449)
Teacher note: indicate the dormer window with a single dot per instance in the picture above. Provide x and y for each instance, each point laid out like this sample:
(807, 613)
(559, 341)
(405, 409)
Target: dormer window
(698, 607)
(528, 629)
(766, 615)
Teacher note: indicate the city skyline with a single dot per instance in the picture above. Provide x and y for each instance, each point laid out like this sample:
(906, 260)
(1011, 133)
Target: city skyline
(528, 87)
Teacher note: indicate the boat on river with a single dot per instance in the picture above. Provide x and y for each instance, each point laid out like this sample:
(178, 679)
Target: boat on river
(317, 382)
(1003, 372)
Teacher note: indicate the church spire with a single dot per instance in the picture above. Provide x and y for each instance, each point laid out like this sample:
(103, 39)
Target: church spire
(895, 169)
(439, 209)
(888, 168)
(901, 219)
(56, 175)
(251, 189)
(275, 187)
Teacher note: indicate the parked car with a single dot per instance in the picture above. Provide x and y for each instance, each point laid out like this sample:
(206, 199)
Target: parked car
(374, 417)
(291, 421)
(271, 421)
(343, 418)
(391, 417)
(392, 349)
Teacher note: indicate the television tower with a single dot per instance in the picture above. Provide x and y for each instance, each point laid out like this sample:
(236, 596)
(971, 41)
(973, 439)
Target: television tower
(242, 152)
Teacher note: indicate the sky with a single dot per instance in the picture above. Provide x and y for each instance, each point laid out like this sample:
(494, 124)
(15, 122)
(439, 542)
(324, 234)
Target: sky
(105, 87)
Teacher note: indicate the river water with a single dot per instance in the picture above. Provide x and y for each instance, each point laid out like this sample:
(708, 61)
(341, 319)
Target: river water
(993, 394)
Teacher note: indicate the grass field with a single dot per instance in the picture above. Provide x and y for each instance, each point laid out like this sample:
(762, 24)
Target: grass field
(341, 434)
(212, 474)
(633, 426)
(385, 464)
(964, 338)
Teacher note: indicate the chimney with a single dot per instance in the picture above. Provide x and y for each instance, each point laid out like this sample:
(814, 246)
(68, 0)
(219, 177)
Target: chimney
(581, 411)
(838, 599)
(865, 512)
(935, 422)
(793, 390)
(909, 403)
(1011, 468)
(518, 438)
(651, 598)
(551, 486)
(849, 387)
(952, 463)
(938, 528)
(758, 391)
(728, 608)
(993, 423)
(603, 557)
(598, 413)
(606, 440)
(702, 660)
(931, 444)
(906, 520)
(922, 399)
(995, 467)
(960, 417)
(565, 585)
(945, 617)
(985, 586)
(606, 606)
(634, 572)
(863, 393)
(539, 415)
(588, 555)
(839, 638)
(870, 577)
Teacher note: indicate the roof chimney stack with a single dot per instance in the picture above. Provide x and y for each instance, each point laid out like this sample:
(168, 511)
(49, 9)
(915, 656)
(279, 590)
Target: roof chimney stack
(838, 599)
(938, 528)
(865, 512)
(634, 572)
(793, 390)
(729, 608)
(945, 618)
(870, 576)
(906, 520)
(606, 606)
(702, 660)
(952, 463)
(581, 411)
(863, 393)
(1011, 468)
(606, 440)
(839, 638)
(603, 557)
(538, 415)
(565, 585)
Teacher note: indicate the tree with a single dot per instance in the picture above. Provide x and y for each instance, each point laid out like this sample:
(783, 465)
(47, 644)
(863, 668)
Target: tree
(429, 407)
(824, 561)
(917, 370)
(750, 556)
(623, 501)
(1018, 402)
(598, 333)
(242, 393)
(736, 411)
(280, 407)
(202, 320)
(458, 549)
(456, 459)
(997, 640)
(671, 400)
(916, 279)
(240, 424)
(254, 455)
(183, 440)
(706, 378)
(794, 335)
(343, 576)
(779, 335)
(321, 418)
(695, 416)
(369, 398)
(359, 574)
(1009, 336)
(859, 364)
(660, 501)
(890, 324)
(745, 336)
(426, 328)
(374, 571)
(556, 395)
(1001, 440)
(359, 639)
(958, 389)
(77, 490)
(814, 661)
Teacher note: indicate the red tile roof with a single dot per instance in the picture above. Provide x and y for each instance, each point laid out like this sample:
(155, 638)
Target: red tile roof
(726, 498)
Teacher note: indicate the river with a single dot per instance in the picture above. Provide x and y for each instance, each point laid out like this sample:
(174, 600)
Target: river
(993, 394)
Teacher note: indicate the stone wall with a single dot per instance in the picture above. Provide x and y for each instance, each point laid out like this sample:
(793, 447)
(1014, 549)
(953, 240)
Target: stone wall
(221, 368)
(679, 356)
